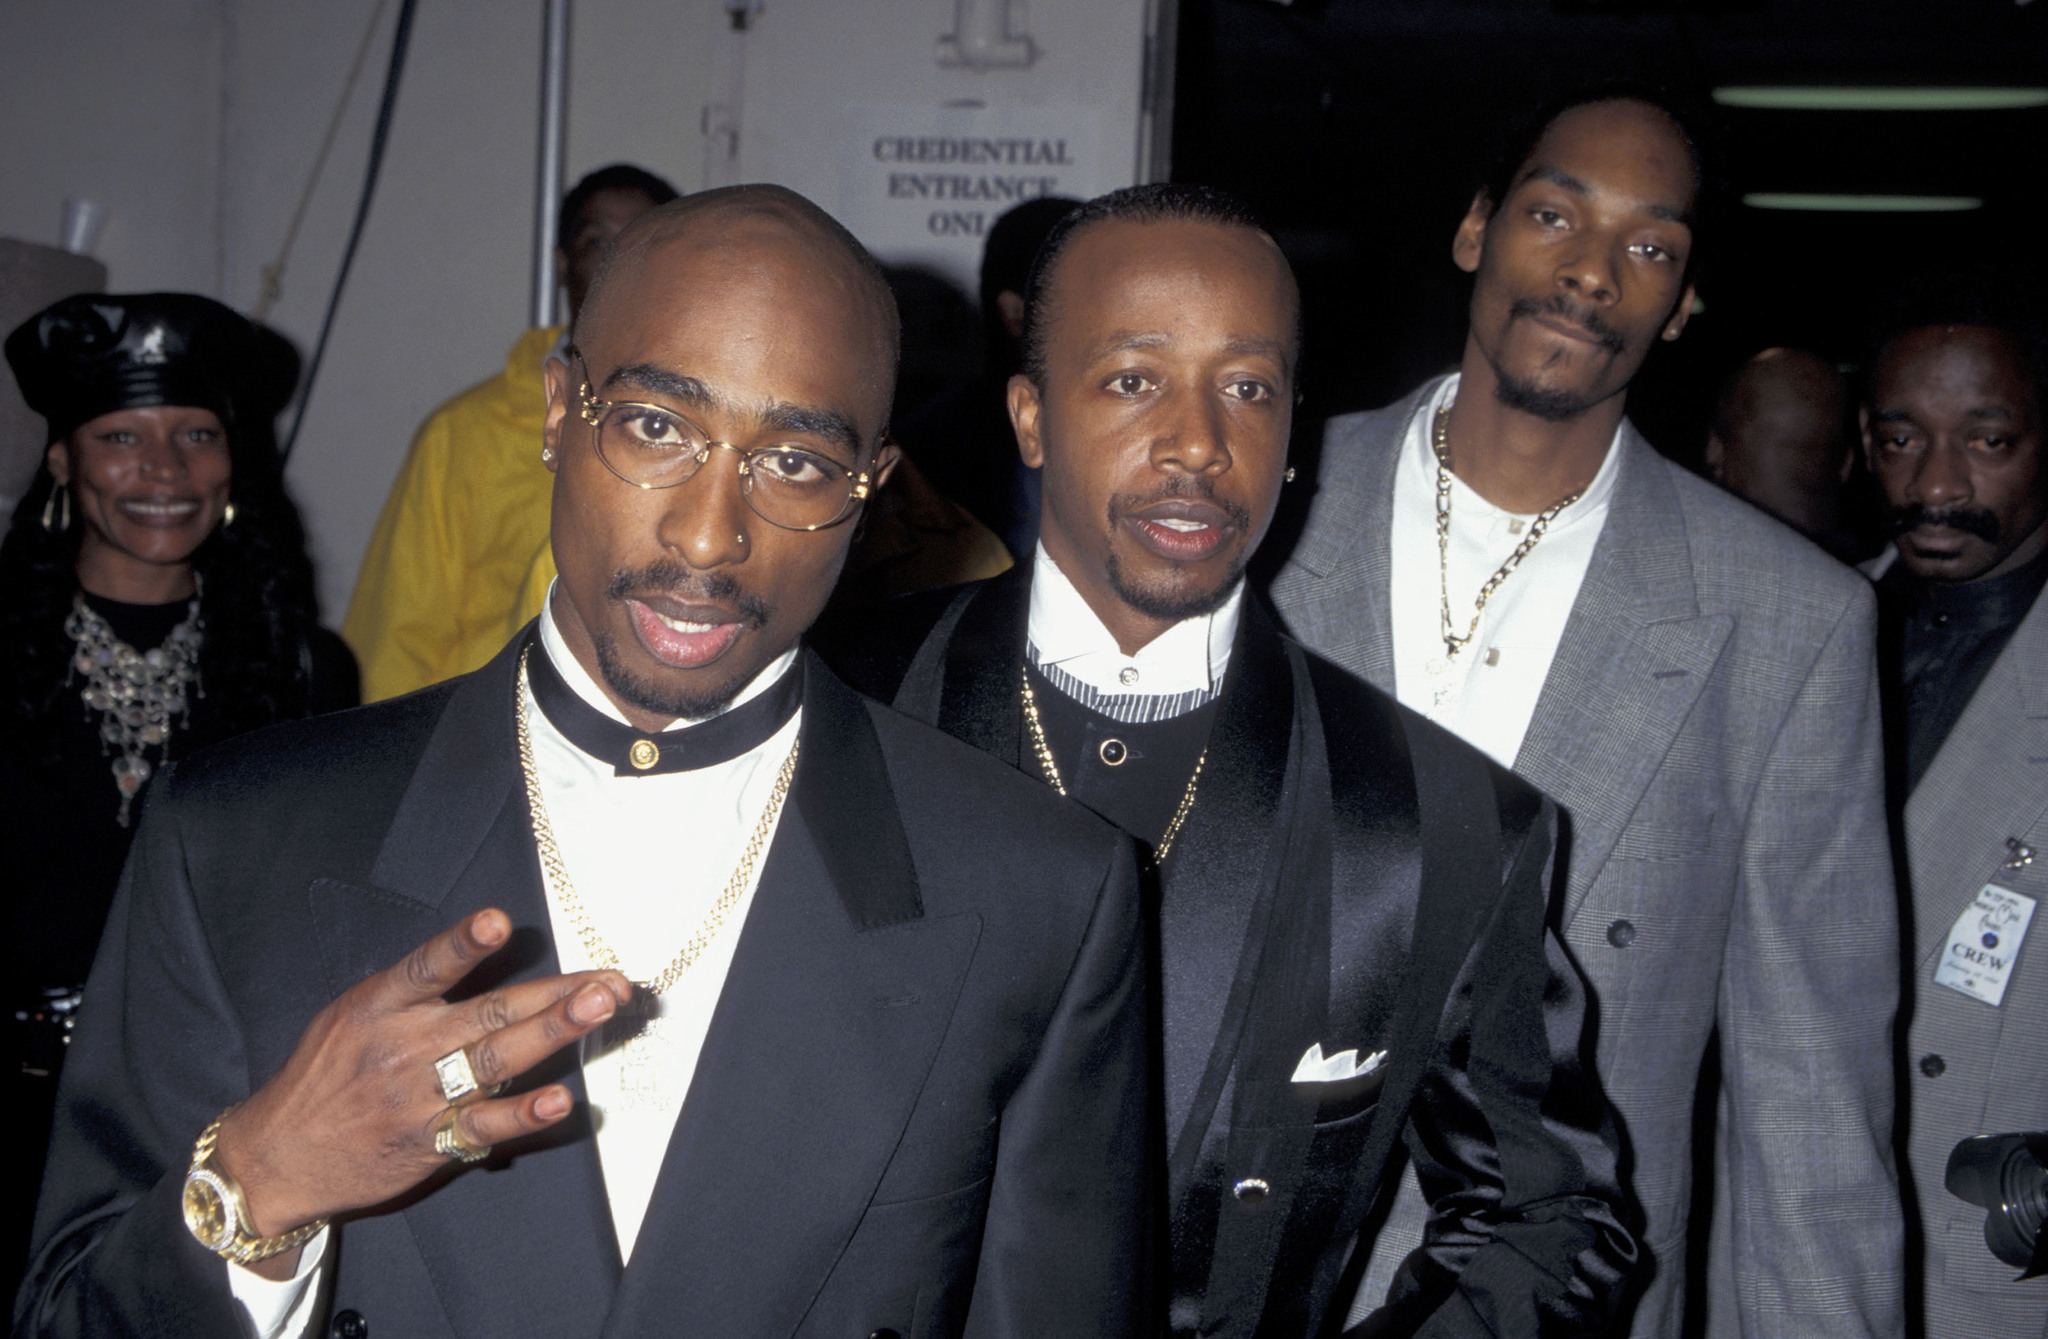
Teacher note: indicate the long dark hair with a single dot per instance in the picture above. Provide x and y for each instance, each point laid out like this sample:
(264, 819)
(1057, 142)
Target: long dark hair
(257, 600)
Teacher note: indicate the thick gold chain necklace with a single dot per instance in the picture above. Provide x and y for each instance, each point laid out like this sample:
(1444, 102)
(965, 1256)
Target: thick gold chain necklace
(594, 945)
(1440, 442)
(1052, 772)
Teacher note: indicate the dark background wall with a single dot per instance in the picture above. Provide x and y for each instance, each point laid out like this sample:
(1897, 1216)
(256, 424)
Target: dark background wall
(1358, 129)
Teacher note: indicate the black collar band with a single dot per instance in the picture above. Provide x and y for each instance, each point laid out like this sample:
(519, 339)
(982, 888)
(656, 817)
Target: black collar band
(634, 752)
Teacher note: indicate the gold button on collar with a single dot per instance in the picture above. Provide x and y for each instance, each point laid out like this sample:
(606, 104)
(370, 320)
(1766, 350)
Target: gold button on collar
(643, 754)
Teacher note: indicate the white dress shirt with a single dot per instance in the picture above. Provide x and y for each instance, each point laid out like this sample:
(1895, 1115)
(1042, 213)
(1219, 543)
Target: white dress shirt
(1486, 693)
(1071, 647)
(649, 857)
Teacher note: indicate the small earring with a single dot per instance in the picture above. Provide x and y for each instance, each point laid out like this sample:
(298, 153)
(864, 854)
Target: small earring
(227, 518)
(547, 455)
(1288, 477)
(57, 510)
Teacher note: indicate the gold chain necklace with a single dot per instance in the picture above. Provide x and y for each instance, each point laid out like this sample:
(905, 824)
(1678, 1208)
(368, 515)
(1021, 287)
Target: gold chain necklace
(1440, 442)
(600, 953)
(1052, 772)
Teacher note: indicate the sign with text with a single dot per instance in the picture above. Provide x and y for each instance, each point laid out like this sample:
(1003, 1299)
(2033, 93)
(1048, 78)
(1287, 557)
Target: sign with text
(922, 185)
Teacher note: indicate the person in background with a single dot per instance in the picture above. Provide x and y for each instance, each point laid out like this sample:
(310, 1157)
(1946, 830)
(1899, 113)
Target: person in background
(961, 438)
(1953, 433)
(1691, 682)
(1782, 438)
(470, 505)
(155, 597)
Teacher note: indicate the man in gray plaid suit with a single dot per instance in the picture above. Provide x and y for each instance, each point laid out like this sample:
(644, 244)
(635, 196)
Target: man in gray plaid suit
(1690, 680)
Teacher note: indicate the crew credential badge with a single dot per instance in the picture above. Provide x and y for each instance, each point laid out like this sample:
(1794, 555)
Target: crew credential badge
(1985, 943)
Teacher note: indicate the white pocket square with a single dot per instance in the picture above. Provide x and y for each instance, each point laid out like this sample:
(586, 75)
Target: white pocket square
(1315, 1067)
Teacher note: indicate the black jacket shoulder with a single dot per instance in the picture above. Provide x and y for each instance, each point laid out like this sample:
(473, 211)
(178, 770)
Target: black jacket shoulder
(874, 653)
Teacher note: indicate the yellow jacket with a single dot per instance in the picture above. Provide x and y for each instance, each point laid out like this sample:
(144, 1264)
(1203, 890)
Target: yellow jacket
(457, 534)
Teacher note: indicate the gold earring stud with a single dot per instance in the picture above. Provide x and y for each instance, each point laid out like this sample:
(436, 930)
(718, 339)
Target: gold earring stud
(227, 517)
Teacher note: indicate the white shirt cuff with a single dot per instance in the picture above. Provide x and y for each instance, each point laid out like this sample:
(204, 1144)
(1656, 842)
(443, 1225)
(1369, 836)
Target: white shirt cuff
(281, 1309)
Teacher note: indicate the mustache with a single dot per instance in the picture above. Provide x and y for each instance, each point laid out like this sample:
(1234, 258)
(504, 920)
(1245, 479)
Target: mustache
(665, 576)
(1562, 307)
(1180, 487)
(1970, 520)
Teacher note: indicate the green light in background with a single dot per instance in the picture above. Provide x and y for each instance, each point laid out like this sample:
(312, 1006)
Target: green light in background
(1816, 99)
(1862, 204)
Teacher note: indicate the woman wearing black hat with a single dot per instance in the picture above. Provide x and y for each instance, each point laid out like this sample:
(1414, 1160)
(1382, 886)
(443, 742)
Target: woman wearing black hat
(155, 596)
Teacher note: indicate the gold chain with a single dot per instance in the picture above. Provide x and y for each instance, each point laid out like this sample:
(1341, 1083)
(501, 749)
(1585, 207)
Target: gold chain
(601, 954)
(1440, 441)
(1052, 772)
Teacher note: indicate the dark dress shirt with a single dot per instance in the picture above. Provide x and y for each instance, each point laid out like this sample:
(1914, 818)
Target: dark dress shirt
(1936, 642)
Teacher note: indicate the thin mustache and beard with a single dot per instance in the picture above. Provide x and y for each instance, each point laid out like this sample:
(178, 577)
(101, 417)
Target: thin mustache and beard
(667, 577)
(1970, 520)
(1172, 603)
(1548, 402)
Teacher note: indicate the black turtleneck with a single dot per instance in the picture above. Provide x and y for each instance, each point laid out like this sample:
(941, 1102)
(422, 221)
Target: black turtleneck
(1936, 642)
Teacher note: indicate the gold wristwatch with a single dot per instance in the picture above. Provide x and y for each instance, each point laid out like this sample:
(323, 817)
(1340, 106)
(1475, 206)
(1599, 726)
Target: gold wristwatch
(217, 1215)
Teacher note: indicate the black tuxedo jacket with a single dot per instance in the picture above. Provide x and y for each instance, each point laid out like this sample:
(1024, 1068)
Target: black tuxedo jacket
(921, 1108)
(1302, 905)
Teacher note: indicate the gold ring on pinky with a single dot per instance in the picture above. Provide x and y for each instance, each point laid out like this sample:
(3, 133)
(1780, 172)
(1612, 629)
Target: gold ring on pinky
(450, 1142)
(457, 1078)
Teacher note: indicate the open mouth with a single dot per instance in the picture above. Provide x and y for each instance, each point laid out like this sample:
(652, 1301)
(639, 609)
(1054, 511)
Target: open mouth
(685, 637)
(1180, 529)
(159, 511)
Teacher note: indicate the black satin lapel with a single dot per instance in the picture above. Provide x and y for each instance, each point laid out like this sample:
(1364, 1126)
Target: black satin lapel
(815, 1058)
(1272, 1124)
(1255, 713)
(469, 767)
(981, 701)
(536, 1212)
(842, 790)
(1376, 857)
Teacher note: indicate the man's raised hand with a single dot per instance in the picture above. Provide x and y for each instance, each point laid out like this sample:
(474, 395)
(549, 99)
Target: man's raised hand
(350, 1120)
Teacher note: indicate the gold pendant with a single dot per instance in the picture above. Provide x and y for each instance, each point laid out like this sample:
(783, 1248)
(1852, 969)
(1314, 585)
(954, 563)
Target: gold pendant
(631, 1019)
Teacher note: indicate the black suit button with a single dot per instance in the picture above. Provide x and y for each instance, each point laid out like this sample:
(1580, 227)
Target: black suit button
(1933, 1066)
(1621, 934)
(884, 1334)
(1251, 1190)
(349, 1325)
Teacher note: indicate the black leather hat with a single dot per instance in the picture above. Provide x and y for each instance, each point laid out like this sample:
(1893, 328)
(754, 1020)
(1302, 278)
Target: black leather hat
(94, 353)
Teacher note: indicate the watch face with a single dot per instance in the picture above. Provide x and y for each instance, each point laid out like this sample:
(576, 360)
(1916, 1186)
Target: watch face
(208, 1213)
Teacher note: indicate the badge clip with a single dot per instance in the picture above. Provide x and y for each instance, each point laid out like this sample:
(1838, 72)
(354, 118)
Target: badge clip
(2019, 855)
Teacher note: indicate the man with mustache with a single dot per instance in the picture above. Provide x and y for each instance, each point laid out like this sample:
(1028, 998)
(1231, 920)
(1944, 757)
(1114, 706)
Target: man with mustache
(861, 1012)
(1350, 902)
(1952, 431)
(1689, 679)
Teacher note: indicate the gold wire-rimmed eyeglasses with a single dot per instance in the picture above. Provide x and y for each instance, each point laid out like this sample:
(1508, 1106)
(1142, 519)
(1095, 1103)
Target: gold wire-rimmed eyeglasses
(650, 446)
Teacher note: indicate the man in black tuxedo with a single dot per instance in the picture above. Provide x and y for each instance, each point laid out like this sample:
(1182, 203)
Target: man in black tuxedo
(883, 1071)
(1351, 902)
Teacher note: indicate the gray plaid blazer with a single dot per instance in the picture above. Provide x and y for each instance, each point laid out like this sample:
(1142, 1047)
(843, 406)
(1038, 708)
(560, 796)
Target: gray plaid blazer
(1975, 1069)
(1710, 727)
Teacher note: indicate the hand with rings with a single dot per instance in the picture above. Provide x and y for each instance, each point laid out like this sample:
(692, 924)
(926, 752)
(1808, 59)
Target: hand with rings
(391, 1083)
